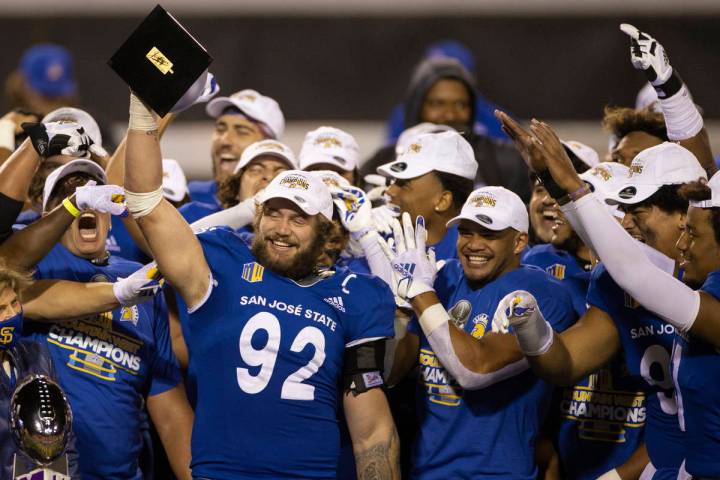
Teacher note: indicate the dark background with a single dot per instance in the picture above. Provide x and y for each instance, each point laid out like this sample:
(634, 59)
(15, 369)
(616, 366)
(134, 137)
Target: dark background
(357, 68)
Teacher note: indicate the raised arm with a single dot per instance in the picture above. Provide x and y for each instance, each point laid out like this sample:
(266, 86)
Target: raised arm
(682, 117)
(171, 240)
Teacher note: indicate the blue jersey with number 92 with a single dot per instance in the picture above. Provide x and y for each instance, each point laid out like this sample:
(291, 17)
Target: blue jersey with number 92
(268, 355)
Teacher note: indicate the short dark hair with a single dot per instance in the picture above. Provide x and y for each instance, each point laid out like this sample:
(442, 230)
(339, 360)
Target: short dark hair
(621, 121)
(460, 187)
(697, 192)
(667, 198)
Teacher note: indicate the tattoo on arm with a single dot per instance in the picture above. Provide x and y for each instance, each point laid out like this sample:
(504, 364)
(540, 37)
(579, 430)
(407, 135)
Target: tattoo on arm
(380, 461)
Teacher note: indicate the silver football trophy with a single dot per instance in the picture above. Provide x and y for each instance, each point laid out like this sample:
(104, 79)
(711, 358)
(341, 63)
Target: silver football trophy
(40, 421)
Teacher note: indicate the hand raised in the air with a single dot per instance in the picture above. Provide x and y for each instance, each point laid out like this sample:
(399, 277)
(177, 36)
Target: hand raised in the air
(648, 54)
(102, 198)
(556, 158)
(523, 142)
(355, 209)
(415, 267)
(60, 138)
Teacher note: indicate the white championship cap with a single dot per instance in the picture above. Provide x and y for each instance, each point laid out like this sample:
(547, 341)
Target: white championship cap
(714, 201)
(332, 146)
(331, 179)
(267, 147)
(304, 189)
(76, 166)
(586, 154)
(255, 106)
(445, 152)
(174, 183)
(496, 208)
(664, 164)
(605, 179)
(81, 117)
(409, 135)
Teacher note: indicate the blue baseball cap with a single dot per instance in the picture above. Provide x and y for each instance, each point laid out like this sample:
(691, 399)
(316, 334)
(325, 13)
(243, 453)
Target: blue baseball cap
(49, 69)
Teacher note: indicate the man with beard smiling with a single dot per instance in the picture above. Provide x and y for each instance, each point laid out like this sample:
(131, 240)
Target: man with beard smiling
(243, 118)
(112, 363)
(475, 422)
(271, 337)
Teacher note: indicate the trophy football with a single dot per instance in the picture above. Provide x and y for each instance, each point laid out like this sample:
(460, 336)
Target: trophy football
(164, 65)
(40, 422)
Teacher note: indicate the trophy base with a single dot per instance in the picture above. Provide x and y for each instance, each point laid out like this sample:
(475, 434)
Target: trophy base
(24, 470)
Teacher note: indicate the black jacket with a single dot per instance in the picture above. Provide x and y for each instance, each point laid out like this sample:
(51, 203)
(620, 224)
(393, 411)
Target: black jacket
(499, 163)
(28, 357)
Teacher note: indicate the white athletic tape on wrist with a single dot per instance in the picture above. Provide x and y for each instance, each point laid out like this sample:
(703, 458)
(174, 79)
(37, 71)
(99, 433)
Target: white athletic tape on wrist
(535, 335)
(140, 204)
(7, 134)
(682, 118)
(141, 118)
(433, 317)
(611, 475)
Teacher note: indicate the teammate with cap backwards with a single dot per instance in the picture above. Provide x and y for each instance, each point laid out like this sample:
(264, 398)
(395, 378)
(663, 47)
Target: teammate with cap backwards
(241, 119)
(307, 332)
(473, 422)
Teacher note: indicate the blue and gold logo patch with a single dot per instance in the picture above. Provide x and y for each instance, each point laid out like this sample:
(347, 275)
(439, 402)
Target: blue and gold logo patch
(253, 272)
(557, 270)
(480, 323)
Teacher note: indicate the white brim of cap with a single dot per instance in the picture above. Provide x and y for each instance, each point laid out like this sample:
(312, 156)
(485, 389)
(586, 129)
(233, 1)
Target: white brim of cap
(642, 193)
(87, 166)
(216, 106)
(297, 200)
(481, 219)
(403, 170)
(324, 159)
(275, 154)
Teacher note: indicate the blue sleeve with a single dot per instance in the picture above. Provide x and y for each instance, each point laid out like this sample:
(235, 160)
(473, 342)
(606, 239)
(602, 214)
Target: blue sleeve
(414, 326)
(165, 370)
(556, 305)
(712, 285)
(373, 311)
(595, 297)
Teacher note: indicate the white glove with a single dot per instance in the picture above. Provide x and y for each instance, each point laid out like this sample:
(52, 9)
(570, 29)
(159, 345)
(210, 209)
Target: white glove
(647, 54)
(355, 210)
(383, 217)
(102, 198)
(140, 286)
(60, 138)
(520, 310)
(416, 268)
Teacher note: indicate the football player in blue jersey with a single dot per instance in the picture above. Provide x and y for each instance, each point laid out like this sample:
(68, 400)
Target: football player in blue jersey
(692, 313)
(654, 214)
(432, 178)
(594, 440)
(112, 364)
(272, 339)
(480, 408)
(243, 118)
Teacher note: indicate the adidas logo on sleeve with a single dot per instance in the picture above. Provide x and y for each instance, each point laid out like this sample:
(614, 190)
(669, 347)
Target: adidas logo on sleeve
(336, 302)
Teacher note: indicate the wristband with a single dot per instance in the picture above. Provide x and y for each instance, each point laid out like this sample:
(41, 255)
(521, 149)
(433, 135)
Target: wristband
(671, 86)
(682, 118)
(575, 196)
(7, 134)
(433, 317)
(72, 209)
(141, 118)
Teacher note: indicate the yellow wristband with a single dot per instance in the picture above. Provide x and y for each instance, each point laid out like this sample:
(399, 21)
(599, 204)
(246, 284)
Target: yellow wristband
(71, 208)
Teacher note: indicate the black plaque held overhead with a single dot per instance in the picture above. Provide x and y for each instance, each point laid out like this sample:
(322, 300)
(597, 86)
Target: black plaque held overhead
(160, 61)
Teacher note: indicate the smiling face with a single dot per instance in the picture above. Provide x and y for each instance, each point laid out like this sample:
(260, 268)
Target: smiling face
(632, 144)
(698, 246)
(233, 133)
(287, 240)
(651, 225)
(487, 254)
(542, 213)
